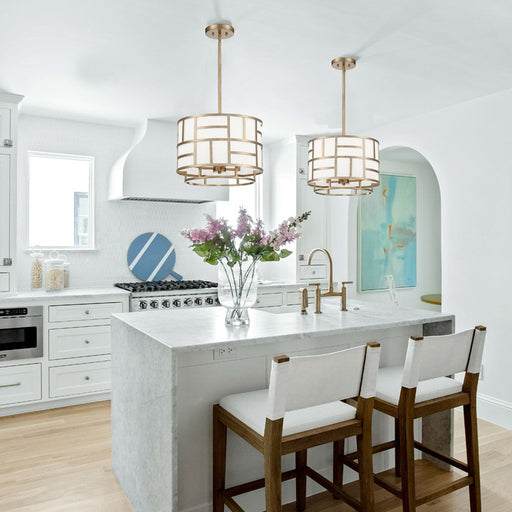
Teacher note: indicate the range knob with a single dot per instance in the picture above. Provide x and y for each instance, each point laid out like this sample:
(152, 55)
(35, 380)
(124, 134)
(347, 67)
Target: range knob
(209, 300)
(176, 303)
(154, 304)
(166, 303)
(188, 302)
(198, 301)
(217, 301)
(143, 304)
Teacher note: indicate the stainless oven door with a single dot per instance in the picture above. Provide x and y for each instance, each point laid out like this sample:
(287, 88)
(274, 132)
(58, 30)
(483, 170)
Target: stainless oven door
(21, 337)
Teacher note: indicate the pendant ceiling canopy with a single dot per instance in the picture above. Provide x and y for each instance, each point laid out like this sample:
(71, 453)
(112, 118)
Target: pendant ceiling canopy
(343, 165)
(219, 149)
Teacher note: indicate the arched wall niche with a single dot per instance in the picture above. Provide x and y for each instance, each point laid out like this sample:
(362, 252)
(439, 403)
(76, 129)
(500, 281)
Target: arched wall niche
(402, 160)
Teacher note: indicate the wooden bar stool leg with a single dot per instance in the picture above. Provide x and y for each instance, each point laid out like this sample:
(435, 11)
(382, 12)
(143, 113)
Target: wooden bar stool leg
(471, 431)
(365, 454)
(300, 481)
(337, 464)
(397, 448)
(219, 461)
(272, 456)
(406, 428)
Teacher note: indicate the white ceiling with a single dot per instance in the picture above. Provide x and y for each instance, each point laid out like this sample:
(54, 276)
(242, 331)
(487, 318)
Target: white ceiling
(121, 61)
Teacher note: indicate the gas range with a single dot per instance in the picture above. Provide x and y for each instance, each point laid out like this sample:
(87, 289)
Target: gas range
(149, 295)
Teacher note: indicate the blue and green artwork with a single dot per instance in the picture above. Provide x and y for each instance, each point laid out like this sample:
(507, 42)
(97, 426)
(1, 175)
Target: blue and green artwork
(387, 234)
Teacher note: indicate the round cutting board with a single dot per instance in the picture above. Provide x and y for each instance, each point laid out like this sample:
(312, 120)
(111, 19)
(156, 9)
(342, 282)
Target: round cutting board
(151, 257)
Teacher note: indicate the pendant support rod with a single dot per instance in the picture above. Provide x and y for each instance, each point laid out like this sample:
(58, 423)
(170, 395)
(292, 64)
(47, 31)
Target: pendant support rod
(219, 31)
(343, 104)
(219, 72)
(343, 64)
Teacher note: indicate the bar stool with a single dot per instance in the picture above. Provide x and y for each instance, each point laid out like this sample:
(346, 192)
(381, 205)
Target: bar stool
(420, 389)
(302, 408)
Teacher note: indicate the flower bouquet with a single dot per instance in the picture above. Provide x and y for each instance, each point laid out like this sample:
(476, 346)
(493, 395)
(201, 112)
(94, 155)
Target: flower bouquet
(238, 250)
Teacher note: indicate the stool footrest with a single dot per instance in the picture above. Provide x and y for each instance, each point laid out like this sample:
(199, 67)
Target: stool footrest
(441, 491)
(441, 456)
(255, 484)
(335, 489)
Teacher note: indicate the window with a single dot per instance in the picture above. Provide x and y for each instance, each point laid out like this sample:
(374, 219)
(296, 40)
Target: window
(60, 201)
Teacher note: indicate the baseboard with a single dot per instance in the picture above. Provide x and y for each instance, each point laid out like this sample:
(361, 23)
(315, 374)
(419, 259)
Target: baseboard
(53, 404)
(495, 410)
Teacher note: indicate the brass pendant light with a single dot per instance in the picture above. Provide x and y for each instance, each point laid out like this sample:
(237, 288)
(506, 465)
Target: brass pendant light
(343, 165)
(219, 149)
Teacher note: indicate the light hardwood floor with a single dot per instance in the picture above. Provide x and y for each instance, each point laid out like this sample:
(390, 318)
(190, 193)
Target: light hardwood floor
(59, 460)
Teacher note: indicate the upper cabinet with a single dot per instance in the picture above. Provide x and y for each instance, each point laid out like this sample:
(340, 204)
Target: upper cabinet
(286, 194)
(8, 132)
(5, 128)
(5, 187)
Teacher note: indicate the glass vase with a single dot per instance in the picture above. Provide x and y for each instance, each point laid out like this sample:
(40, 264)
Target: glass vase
(238, 288)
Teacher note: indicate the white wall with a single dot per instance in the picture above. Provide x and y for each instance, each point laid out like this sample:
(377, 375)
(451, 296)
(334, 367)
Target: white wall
(402, 161)
(468, 146)
(117, 223)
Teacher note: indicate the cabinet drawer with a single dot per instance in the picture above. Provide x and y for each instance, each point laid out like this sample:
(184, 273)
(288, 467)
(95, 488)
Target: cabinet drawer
(269, 299)
(79, 342)
(79, 378)
(73, 312)
(20, 383)
(312, 272)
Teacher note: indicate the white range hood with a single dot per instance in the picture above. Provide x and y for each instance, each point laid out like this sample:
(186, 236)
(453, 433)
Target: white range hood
(147, 171)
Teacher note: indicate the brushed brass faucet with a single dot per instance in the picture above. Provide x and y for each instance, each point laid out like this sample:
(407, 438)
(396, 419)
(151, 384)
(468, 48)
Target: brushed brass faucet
(330, 292)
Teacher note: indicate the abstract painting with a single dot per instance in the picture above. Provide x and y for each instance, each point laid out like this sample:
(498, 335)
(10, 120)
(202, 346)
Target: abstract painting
(387, 234)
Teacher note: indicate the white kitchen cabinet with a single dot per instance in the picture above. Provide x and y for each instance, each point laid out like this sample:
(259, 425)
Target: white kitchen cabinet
(5, 127)
(288, 194)
(5, 217)
(75, 342)
(20, 383)
(8, 127)
(77, 312)
(79, 379)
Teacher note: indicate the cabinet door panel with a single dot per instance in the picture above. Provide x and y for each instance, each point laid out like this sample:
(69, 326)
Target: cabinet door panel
(5, 185)
(5, 125)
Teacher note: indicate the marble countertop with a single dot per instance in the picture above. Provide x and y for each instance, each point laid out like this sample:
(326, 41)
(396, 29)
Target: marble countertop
(198, 329)
(70, 294)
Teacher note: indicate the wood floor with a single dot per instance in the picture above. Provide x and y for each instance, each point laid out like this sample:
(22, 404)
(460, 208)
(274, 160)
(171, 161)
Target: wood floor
(56, 461)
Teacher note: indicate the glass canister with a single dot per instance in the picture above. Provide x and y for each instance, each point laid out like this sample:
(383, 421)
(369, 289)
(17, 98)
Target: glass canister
(53, 273)
(65, 267)
(36, 269)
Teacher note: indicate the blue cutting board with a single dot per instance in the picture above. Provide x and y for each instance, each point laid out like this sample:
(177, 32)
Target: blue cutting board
(151, 257)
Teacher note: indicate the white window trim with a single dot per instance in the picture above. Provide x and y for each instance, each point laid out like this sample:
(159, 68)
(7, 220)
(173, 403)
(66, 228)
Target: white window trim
(92, 216)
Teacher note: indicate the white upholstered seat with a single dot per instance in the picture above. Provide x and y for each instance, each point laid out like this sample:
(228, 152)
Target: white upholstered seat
(251, 408)
(389, 385)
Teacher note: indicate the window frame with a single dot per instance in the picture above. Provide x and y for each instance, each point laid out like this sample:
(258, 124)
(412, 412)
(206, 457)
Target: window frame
(64, 156)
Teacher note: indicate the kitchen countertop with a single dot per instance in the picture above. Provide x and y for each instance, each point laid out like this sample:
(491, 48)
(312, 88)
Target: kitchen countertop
(70, 294)
(202, 328)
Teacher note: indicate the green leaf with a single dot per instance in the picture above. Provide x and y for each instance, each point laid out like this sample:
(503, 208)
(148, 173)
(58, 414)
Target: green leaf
(285, 253)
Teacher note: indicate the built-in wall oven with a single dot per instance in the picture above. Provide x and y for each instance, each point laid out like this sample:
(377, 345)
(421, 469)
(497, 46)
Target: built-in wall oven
(21, 333)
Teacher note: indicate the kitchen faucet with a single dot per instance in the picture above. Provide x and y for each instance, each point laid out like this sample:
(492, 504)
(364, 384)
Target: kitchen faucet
(330, 292)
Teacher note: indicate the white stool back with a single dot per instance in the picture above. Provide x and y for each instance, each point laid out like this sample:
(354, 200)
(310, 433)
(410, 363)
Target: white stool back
(305, 381)
(439, 356)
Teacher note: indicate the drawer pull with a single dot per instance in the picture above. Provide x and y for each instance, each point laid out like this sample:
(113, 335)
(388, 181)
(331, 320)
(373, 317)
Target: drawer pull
(87, 342)
(10, 385)
(87, 377)
(87, 312)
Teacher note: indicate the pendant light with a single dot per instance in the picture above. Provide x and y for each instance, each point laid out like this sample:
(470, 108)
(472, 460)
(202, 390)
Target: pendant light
(219, 149)
(343, 165)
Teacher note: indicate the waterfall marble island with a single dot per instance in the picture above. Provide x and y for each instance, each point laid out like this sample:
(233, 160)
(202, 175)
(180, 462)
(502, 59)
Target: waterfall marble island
(170, 367)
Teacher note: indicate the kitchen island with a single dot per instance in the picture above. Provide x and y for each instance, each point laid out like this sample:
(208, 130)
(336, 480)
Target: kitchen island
(169, 367)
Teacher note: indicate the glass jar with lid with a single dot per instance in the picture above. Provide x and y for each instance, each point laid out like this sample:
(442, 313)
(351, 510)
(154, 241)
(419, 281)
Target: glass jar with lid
(36, 269)
(54, 273)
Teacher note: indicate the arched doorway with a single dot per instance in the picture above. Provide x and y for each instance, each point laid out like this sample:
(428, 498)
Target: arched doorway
(405, 161)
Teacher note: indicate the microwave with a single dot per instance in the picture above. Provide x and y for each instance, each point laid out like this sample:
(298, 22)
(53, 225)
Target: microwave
(21, 333)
